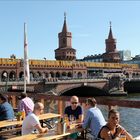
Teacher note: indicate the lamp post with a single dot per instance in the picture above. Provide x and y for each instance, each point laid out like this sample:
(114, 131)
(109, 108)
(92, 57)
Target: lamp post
(45, 60)
(6, 79)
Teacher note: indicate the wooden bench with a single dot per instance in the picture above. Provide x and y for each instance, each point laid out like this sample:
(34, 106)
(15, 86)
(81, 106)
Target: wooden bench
(10, 130)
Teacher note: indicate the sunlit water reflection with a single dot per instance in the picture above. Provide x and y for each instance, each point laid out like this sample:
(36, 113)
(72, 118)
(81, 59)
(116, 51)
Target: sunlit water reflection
(130, 117)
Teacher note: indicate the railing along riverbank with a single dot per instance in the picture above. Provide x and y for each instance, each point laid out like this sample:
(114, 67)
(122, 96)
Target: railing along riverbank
(56, 104)
(100, 100)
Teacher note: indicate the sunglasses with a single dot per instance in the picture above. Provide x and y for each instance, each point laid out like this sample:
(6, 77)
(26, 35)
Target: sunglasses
(74, 102)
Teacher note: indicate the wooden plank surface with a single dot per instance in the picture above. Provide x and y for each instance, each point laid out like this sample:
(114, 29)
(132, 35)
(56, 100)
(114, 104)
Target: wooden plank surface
(7, 123)
(47, 136)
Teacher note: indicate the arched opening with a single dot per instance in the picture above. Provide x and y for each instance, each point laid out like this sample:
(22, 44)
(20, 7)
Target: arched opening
(84, 91)
(127, 75)
(21, 76)
(57, 74)
(12, 76)
(32, 76)
(137, 75)
(79, 75)
(133, 75)
(64, 74)
(38, 76)
(69, 74)
(46, 75)
(52, 74)
(4, 76)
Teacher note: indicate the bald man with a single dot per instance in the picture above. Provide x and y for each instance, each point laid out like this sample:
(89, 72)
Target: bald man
(74, 109)
(31, 122)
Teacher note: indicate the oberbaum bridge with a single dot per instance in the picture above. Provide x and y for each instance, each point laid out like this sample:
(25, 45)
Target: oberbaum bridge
(66, 75)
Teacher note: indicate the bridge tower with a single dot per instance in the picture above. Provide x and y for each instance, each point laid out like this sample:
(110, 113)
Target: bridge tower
(111, 54)
(65, 50)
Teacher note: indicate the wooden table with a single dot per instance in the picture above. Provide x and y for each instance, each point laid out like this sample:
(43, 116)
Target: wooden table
(7, 123)
(52, 135)
(48, 116)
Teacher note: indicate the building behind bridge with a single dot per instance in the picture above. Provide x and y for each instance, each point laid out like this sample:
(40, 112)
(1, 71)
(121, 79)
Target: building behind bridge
(66, 66)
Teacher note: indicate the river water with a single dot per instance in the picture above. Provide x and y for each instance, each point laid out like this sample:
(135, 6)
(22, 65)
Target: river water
(130, 117)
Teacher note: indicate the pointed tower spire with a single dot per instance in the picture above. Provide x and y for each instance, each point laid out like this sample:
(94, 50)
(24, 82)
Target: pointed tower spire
(110, 36)
(64, 30)
(65, 50)
(111, 54)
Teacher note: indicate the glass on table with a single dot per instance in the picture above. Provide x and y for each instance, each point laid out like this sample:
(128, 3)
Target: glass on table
(72, 119)
(66, 120)
(122, 137)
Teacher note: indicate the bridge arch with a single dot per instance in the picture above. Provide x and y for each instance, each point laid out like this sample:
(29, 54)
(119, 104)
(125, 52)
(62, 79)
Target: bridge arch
(83, 91)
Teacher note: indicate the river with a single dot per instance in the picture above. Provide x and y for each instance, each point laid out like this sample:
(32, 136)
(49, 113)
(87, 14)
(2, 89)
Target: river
(130, 117)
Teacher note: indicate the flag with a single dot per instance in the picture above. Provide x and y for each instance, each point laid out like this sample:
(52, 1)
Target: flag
(26, 61)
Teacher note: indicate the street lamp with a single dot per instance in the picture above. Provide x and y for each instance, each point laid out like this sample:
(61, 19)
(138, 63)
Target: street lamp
(6, 79)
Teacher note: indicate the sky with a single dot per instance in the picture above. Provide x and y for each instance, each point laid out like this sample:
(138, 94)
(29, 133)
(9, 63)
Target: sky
(88, 20)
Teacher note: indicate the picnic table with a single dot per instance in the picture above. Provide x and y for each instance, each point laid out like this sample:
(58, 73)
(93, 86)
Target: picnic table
(51, 135)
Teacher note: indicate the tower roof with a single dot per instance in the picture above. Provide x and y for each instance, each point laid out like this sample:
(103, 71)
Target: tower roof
(65, 24)
(110, 36)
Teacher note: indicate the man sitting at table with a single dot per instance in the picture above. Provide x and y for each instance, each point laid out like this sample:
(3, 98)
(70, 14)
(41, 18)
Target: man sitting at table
(94, 119)
(74, 111)
(6, 110)
(31, 122)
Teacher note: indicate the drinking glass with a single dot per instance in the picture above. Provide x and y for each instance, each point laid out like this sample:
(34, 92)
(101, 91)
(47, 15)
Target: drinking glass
(122, 137)
(72, 119)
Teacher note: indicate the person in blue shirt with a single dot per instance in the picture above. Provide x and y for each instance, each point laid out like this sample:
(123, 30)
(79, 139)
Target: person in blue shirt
(6, 110)
(94, 119)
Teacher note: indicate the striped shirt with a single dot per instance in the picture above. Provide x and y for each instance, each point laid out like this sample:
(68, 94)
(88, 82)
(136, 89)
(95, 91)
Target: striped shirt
(26, 104)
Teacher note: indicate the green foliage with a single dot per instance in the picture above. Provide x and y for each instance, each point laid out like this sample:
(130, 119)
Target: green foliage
(18, 114)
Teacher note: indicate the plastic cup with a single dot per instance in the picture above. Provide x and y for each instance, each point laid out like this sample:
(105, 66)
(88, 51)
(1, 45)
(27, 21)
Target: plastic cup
(122, 137)
(23, 114)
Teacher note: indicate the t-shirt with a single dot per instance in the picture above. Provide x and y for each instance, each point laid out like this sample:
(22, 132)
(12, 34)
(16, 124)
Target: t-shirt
(94, 120)
(112, 135)
(6, 111)
(29, 123)
(26, 104)
(78, 111)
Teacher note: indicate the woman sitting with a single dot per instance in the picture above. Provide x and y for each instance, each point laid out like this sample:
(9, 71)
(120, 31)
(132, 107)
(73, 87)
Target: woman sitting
(113, 130)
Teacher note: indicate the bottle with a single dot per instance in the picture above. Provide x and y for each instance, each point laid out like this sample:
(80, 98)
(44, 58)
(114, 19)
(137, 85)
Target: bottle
(64, 126)
(66, 119)
(23, 115)
(63, 123)
(61, 126)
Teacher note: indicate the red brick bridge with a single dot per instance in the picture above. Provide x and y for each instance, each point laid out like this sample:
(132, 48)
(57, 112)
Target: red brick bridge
(81, 87)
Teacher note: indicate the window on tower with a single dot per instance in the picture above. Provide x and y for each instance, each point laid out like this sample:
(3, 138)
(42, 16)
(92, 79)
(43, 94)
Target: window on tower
(64, 41)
